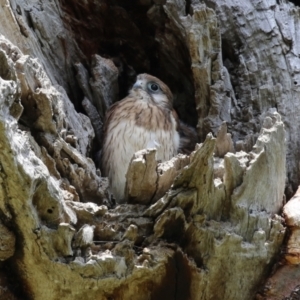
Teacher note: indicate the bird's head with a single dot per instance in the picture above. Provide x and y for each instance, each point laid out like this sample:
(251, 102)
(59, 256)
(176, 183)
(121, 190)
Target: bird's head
(157, 91)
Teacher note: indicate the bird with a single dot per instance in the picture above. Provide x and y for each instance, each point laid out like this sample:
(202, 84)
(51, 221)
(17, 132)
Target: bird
(144, 119)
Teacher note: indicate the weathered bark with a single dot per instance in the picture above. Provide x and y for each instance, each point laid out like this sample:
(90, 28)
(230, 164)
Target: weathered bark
(203, 226)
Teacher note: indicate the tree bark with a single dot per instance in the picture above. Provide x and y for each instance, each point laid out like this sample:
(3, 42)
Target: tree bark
(200, 226)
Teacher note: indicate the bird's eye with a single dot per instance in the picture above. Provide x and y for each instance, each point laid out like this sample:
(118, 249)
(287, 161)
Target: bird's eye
(153, 87)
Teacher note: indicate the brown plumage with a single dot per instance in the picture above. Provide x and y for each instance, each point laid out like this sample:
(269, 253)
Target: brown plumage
(144, 119)
(188, 136)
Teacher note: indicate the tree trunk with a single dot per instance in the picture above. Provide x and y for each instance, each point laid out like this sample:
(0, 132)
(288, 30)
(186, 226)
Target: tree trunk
(200, 226)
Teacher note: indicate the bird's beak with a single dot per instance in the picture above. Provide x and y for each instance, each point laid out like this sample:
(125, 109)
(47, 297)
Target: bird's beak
(138, 85)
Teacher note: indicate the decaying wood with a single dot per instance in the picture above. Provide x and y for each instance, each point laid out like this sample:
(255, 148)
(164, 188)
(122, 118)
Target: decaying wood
(200, 226)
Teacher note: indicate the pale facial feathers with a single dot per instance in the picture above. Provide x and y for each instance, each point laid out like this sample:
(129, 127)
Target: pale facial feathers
(144, 119)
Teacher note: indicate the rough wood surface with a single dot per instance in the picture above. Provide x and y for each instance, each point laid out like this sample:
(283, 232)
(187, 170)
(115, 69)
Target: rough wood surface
(203, 226)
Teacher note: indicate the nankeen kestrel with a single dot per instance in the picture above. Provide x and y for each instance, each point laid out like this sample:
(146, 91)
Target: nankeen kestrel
(144, 119)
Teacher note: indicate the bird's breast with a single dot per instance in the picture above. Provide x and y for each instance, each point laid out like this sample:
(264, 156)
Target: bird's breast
(138, 125)
(151, 117)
